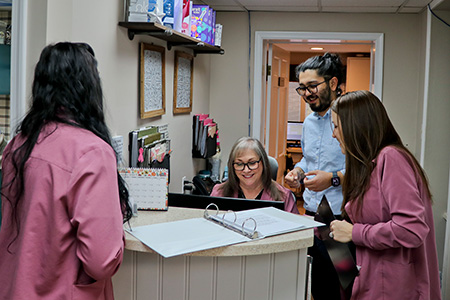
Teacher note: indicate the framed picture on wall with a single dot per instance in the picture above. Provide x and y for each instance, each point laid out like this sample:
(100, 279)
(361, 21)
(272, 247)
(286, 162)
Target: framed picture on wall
(152, 83)
(182, 83)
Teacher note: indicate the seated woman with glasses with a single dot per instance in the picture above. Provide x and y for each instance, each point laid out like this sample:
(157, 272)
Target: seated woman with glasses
(249, 176)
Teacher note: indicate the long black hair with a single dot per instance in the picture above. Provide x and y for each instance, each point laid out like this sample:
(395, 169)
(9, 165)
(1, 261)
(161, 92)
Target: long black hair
(66, 89)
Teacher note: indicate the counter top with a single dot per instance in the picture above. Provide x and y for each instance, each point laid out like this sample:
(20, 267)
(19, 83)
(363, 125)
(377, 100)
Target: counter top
(279, 243)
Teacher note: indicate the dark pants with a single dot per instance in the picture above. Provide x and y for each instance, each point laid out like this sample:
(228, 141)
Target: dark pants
(324, 279)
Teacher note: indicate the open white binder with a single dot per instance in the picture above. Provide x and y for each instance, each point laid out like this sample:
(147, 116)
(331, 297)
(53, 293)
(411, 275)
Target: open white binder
(217, 230)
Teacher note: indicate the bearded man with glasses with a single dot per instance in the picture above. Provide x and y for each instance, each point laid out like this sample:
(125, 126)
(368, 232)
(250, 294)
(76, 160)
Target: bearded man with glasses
(322, 167)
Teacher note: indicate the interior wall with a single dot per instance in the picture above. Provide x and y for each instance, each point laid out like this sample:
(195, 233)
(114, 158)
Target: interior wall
(230, 94)
(118, 58)
(437, 143)
(36, 38)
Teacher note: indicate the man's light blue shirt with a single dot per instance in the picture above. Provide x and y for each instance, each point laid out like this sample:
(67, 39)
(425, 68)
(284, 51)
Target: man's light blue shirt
(321, 152)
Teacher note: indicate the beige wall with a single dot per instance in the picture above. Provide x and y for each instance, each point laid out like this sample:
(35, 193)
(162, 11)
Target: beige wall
(437, 142)
(95, 22)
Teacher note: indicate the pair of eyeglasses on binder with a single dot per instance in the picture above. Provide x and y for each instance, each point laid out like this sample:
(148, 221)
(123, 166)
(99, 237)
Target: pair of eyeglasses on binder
(250, 233)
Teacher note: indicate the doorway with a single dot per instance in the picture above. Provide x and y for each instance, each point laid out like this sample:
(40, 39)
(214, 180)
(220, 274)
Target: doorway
(261, 113)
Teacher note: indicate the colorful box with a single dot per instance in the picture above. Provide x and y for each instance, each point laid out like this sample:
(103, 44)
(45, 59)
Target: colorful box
(199, 22)
(186, 22)
(213, 27)
(178, 15)
(218, 35)
(169, 11)
(209, 26)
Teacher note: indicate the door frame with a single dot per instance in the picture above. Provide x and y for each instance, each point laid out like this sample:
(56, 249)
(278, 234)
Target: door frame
(262, 38)
(18, 98)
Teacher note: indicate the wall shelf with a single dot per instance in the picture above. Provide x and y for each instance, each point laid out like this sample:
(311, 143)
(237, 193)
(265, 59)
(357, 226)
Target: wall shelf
(172, 37)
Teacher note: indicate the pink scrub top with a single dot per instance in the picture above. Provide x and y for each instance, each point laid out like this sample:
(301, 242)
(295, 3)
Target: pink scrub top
(394, 235)
(71, 238)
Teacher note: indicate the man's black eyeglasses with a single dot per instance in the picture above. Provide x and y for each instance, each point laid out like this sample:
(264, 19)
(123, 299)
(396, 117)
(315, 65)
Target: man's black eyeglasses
(312, 88)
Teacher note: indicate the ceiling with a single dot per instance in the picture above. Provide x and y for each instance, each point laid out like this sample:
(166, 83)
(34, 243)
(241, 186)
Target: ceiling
(336, 6)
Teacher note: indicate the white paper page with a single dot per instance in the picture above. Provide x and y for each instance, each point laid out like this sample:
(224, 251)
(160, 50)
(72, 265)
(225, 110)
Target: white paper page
(271, 221)
(186, 236)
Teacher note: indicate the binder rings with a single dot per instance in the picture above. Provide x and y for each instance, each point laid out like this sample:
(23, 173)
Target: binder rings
(148, 188)
(217, 230)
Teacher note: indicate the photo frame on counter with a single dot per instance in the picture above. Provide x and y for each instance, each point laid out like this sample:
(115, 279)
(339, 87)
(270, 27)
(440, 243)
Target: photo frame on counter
(183, 82)
(152, 80)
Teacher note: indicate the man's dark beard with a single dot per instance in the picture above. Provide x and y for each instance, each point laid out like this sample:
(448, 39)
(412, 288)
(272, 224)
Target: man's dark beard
(324, 100)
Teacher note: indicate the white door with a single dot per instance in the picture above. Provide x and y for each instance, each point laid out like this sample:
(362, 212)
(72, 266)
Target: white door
(276, 106)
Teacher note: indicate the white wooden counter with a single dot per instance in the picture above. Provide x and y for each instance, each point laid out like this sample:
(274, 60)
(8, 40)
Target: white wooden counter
(271, 268)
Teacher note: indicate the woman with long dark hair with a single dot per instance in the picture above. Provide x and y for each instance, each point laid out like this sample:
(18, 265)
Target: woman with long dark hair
(63, 202)
(249, 176)
(387, 204)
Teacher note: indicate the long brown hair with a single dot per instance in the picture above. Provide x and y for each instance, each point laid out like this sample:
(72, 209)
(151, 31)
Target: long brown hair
(232, 184)
(365, 130)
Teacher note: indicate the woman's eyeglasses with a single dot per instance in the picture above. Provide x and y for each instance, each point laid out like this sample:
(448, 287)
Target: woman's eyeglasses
(312, 88)
(251, 165)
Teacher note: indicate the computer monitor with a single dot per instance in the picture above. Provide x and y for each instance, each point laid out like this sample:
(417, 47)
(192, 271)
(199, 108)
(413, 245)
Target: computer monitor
(294, 131)
(223, 203)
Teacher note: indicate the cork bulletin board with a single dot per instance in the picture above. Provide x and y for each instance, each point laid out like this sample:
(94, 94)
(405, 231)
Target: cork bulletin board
(183, 79)
(152, 83)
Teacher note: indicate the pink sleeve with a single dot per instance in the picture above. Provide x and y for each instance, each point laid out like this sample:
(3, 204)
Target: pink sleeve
(96, 213)
(216, 192)
(290, 203)
(405, 225)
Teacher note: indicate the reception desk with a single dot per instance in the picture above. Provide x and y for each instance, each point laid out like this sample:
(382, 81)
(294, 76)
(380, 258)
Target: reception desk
(270, 268)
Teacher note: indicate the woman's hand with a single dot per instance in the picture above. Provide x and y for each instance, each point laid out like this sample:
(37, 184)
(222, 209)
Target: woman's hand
(342, 231)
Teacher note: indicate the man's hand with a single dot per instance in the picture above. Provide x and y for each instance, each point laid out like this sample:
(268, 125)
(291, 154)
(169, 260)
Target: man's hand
(318, 180)
(293, 178)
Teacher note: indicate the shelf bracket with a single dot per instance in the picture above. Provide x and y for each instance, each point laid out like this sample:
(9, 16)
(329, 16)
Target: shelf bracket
(130, 34)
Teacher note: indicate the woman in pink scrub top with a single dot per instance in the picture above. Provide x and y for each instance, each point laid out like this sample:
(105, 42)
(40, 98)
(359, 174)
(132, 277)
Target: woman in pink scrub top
(387, 205)
(63, 203)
